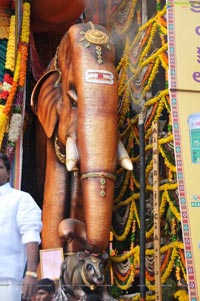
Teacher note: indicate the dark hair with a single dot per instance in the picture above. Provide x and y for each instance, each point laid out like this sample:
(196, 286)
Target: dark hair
(47, 285)
(5, 160)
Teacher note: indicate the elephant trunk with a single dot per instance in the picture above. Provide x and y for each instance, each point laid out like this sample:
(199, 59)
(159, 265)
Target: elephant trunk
(95, 77)
(98, 213)
(97, 142)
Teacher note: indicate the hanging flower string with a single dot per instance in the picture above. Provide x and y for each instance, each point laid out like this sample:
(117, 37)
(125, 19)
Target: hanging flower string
(17, 115)
(7, 86)
(13, 99)
(139, 69)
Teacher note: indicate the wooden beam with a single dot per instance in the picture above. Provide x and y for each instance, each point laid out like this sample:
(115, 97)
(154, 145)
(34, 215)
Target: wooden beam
(156, 209)
(18, 21)
(142, 208)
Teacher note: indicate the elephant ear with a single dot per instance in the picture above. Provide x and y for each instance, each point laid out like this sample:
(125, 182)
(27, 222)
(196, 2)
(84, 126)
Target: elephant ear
(44, 99)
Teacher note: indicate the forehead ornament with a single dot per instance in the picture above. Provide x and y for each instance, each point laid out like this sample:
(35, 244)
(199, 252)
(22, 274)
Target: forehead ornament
(95, 37)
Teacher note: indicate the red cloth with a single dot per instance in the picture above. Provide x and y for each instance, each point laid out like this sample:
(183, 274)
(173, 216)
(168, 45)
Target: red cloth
(37, 67)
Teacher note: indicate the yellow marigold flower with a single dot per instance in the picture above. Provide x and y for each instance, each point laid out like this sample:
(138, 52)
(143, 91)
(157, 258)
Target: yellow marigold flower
(26, 23)
(3, 123)
(181, 295)
(10, 54)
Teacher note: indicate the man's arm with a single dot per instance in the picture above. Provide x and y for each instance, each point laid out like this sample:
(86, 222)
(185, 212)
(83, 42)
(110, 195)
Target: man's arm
(55, 16)
(30, 279)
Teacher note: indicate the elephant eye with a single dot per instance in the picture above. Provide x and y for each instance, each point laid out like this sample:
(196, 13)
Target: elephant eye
(73, 98)
(73, 103)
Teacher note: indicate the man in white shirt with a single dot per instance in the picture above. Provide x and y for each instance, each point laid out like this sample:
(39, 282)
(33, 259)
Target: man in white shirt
(20, 227)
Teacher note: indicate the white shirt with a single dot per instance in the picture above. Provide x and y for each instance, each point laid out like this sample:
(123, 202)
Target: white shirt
(20, 223)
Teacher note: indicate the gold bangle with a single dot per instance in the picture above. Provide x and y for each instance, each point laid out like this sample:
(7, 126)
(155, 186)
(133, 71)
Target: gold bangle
(32, 274)
(98, 174)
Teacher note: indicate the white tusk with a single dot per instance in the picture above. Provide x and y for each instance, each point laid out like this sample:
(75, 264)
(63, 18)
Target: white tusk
(71, 154)
(73, 95)
(123, 157)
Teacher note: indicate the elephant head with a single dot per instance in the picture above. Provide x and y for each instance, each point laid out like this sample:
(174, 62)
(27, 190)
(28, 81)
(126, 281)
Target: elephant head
(76, 102)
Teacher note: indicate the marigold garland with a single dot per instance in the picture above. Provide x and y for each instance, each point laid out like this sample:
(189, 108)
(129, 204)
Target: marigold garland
(128, 225)
(14, 81)
(10, 54)
(140, 54)
(181, 295)
(124, 187)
